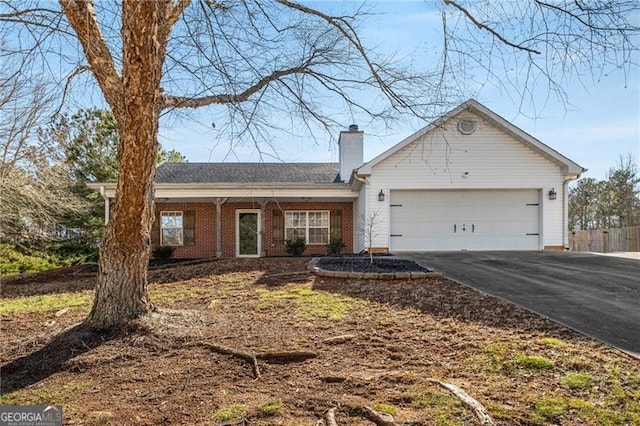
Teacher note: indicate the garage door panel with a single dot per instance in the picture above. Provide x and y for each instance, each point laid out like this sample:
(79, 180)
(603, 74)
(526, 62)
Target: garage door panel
(458, 220)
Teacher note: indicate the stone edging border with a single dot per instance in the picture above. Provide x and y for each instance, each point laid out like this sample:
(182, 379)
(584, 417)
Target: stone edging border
(416, 275)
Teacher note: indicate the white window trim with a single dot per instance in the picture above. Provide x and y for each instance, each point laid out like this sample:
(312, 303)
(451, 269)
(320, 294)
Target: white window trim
(162, 228)
(306, 230)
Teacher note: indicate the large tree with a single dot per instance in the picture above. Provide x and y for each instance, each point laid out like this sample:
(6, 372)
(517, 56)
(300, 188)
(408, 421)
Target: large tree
(268, 59)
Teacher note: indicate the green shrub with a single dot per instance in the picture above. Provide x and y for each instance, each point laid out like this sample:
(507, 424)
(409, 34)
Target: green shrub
(295, 247)
(16, 259)
(163, 252)
(336, 245)
(68, 253)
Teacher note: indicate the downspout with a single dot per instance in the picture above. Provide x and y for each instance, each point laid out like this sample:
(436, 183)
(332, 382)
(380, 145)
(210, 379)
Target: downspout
(356, 218)
(565, 214)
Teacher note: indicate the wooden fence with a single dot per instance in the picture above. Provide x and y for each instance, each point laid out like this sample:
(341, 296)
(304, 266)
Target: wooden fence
(606, 240)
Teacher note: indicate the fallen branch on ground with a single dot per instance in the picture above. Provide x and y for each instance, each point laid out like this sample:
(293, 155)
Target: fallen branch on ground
(480, 411)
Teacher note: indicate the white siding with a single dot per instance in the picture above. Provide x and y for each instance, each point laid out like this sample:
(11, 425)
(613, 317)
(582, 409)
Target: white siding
(486, 159)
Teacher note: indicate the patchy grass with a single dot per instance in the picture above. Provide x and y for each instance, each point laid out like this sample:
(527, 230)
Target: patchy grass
(310, 304)
(553, 342)
(534, 362)
(385, 408)
(43, 303)
(444, 409)
(270, 409)
(161, 294)
(42, 396)
(231, 412)
(578, 380)
(550, 408)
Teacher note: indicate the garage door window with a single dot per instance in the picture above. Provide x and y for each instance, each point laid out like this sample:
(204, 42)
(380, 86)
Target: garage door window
(313, 226)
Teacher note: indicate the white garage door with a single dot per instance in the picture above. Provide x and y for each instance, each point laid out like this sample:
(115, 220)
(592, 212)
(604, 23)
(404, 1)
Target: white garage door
(465, 220)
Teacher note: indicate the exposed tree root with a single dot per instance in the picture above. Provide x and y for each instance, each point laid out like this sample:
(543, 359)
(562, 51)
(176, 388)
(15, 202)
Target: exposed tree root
(281, 357)
(380, 419)
(224, 350)
(338, 339)
(384, 419)
(480, 411)
(330, 417)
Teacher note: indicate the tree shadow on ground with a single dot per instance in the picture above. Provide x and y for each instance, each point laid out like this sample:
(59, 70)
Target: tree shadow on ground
(444, 299)
(67, 279)
(51, 358)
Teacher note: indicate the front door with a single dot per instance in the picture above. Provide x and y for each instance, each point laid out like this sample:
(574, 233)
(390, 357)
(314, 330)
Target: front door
(248, 233)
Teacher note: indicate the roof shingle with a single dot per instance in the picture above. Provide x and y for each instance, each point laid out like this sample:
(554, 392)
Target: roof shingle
(268, 173)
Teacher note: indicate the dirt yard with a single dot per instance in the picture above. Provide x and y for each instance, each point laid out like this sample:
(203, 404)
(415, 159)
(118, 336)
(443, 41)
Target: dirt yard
(318, 344)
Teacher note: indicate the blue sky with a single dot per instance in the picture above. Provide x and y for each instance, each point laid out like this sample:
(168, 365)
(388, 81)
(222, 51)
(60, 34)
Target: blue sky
(600, 123)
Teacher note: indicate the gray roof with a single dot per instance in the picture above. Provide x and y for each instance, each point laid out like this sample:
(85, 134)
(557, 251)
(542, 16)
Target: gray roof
(268, 173)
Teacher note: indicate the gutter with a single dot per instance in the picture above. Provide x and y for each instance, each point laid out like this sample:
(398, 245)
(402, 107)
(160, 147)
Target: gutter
(101, 187)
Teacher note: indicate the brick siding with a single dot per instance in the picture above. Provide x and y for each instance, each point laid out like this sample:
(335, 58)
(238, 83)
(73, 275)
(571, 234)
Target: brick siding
(205, 233)
(205, 226)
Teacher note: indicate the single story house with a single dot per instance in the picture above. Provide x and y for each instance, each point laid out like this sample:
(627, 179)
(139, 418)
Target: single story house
(471, 180)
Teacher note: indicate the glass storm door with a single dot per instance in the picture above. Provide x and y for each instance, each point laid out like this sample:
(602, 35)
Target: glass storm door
(248, 233)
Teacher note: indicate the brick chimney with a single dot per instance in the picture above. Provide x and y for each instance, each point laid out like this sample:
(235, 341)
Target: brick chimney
(350, 143)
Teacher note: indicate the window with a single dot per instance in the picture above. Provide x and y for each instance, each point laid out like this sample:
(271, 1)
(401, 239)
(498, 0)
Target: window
(313, 226)
(171, 229)
(175, 229)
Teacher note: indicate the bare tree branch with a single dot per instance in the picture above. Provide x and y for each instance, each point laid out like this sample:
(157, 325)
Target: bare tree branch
(82, 17)
(489, 29)
(190, 102)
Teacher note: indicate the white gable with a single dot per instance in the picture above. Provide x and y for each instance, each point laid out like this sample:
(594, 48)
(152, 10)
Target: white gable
(486, 158)
(446, 128)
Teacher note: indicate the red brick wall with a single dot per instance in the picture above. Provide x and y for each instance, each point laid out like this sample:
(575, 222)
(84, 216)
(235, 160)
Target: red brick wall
(206, 227)
(205, 216)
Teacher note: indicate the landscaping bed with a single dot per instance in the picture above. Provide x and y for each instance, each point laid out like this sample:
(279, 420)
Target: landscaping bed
(365, 264)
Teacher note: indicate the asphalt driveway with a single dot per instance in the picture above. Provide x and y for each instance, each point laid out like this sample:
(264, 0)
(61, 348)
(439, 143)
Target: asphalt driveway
(596, 295)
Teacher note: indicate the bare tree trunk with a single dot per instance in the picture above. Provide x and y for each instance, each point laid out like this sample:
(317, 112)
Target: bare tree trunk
(121, 291)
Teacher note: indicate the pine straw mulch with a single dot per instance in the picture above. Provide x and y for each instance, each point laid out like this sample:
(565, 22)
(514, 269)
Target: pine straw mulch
(393, 339)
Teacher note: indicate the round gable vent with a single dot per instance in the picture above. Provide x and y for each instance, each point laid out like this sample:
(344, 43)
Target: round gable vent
(466, 126)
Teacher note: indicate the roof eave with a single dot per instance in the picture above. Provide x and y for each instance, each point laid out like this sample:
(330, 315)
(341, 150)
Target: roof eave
(98, 186)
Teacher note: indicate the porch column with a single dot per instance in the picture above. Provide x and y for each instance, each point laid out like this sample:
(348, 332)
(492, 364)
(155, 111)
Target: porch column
(219, 202)
(263, 226)
(107, 204)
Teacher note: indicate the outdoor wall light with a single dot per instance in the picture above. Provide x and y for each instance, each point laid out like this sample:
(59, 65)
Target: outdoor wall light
(553, 194)
(381, 196)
